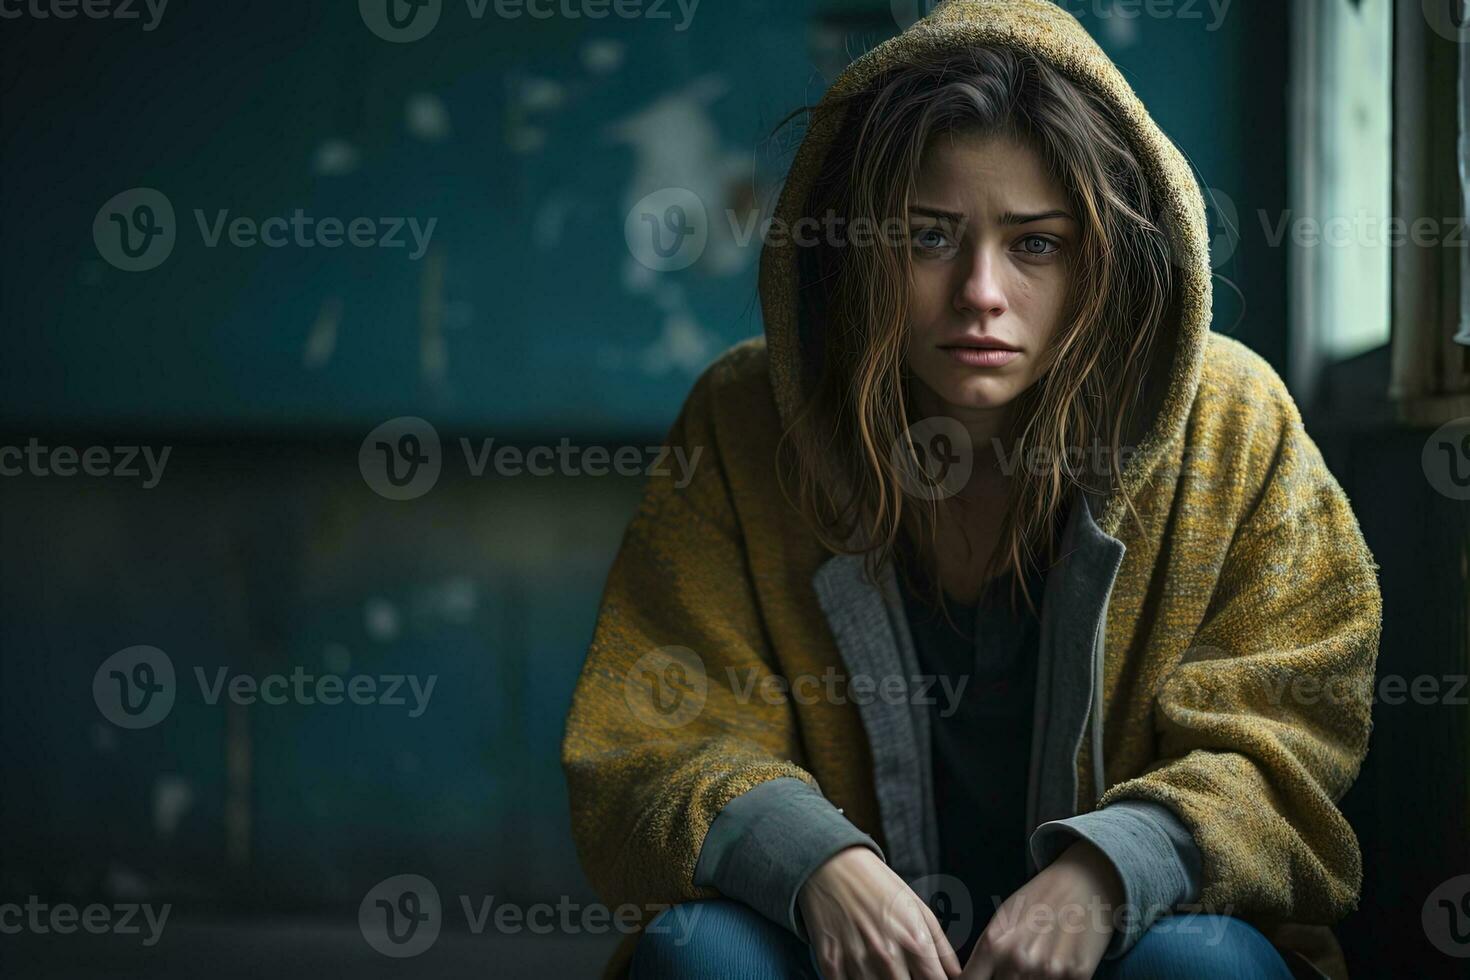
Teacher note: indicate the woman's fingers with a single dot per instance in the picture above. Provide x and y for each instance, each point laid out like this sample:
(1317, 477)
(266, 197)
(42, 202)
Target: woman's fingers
(883, 953)
(866, 923)
(861, 955)
(830, 961)
(1008, 953)
(982, 962)
(935, 958)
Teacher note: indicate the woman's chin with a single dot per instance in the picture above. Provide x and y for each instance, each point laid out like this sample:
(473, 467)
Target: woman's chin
(980, 394)
(969, 389)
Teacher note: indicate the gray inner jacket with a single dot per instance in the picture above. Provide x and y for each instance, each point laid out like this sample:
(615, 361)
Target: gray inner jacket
(766, 842)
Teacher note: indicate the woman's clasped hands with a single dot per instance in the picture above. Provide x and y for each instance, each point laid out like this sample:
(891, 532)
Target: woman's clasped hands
(864, 921)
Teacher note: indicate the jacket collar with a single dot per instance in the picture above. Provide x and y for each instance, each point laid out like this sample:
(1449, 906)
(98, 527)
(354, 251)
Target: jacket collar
(872, 633)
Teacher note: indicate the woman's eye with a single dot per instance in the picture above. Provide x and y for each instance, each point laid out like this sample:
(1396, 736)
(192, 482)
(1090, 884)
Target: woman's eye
(930, 239)
(1039, 245)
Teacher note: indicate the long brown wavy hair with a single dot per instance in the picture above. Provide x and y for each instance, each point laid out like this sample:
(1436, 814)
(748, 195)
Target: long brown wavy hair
(853, 303)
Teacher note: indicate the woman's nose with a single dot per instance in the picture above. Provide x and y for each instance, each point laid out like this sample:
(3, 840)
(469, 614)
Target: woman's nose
(982, 292)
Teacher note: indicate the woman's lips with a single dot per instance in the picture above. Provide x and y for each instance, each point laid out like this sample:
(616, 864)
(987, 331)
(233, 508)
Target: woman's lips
(982, 356)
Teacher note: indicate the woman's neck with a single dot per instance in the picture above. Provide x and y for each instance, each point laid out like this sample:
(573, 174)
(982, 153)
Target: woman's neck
(985, 426)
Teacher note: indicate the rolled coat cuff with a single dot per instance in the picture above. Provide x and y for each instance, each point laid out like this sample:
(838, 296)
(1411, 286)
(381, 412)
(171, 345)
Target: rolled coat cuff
(1150, 847)
(766, 842)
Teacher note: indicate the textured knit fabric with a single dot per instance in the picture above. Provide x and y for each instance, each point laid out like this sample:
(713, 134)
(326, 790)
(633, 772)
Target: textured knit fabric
(1248, 577)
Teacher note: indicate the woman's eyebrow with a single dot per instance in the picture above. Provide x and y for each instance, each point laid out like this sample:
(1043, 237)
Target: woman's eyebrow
(1006, 218)
(936, 212)
(1012, 218)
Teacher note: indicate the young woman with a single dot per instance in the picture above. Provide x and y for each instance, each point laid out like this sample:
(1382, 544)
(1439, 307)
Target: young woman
(1011, 625)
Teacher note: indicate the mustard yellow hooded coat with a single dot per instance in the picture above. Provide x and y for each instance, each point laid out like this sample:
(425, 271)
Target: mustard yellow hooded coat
(1250, 578)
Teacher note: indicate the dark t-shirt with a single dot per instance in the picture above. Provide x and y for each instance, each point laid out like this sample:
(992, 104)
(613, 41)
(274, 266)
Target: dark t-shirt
(981, 744)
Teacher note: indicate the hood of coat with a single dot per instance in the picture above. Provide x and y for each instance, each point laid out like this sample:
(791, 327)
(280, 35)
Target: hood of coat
(1045, 30)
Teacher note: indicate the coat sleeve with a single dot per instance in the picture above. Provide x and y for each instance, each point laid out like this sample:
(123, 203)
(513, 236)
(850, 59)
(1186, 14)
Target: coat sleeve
(668, 724)
(1263, 723)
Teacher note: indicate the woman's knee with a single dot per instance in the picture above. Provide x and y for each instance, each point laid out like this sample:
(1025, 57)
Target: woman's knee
(1199, 947)
(715, 938)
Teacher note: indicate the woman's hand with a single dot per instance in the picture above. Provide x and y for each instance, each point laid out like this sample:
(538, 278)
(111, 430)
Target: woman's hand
(1067, 941)
(864, 921)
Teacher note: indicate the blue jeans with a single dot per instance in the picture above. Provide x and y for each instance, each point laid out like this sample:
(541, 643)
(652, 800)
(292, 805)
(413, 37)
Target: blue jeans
(730, 940)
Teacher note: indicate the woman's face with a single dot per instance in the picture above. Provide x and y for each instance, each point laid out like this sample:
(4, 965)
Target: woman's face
(992, 242)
